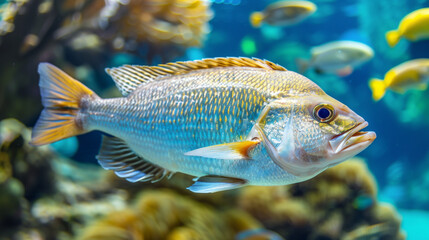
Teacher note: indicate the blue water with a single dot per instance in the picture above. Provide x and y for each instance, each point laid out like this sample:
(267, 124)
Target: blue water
(398, 141)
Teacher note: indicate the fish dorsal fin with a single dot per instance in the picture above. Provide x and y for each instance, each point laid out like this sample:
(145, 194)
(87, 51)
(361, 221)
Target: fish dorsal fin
(117, 156)
(128, 77)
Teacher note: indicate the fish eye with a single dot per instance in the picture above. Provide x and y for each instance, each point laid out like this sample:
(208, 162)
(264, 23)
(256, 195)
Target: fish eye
(323, 113)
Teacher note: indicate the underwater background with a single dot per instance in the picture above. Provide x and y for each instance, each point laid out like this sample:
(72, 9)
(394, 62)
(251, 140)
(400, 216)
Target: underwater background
(60, 192)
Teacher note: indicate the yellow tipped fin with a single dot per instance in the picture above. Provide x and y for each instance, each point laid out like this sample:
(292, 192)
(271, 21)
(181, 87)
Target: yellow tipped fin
(256, 19)
(128, 77)
(61, 95)
(392, 37)
(234, 151)
(378, 88)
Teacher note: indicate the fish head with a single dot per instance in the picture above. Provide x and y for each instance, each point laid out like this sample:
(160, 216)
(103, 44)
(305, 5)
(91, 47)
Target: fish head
(312, 133)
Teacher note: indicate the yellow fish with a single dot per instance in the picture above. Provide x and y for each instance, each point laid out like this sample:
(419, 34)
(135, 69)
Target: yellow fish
(283, 13)
(410, 74)
(414, 26)
(228, 121)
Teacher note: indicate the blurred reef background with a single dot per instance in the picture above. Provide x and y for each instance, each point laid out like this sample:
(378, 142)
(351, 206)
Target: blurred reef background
(59, 192)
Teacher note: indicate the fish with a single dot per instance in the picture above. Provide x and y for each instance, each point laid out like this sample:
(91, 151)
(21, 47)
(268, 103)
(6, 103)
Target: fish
(412, 27)
(412, 74)
(229, 122)
(339, 57)
(283, 13)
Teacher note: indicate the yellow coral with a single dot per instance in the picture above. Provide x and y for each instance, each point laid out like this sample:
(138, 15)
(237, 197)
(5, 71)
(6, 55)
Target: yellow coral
(354, 173)
(325, 204)
(163, 214)
(181, 22)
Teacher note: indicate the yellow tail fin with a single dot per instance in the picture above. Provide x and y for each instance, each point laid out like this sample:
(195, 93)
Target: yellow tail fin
(392, 37)
(256, 19)
(61, 95)
(378, 88)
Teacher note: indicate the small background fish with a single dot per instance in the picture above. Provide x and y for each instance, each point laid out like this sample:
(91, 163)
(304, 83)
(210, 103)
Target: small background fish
(408, 75)
(45, 194)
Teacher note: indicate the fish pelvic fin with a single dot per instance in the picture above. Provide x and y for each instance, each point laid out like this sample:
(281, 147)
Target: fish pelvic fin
(256, 19)
(212, 183)
(234, 151)
(61, 99)
(392, 37)
(116, 155)
(378, 88)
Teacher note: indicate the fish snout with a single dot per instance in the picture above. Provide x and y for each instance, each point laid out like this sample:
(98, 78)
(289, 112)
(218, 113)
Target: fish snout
(350, 143)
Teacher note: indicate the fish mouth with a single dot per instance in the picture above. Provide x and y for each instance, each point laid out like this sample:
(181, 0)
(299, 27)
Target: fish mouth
(352, 142)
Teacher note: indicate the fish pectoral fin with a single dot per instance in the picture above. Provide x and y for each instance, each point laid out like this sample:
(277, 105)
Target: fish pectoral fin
(116, 155)
(345, 71)
(211, 183)
(234, 150)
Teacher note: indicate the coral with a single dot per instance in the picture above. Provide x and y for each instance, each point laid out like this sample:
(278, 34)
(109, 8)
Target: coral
(44, 195)
(87, 34)
(163, 214)
(26, 163)
(340, 203)
(165, 22)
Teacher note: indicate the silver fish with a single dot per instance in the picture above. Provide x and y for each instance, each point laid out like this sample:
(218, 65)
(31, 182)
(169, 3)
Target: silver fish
(228, 121)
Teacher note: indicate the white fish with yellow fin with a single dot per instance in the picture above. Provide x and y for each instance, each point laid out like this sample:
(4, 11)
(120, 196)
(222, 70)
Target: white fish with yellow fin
(412, 27)
(413, 74)
(337, 57)
(283, 13)
(228, 121)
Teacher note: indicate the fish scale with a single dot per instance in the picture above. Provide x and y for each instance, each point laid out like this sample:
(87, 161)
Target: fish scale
(155, 129)
(228, 121)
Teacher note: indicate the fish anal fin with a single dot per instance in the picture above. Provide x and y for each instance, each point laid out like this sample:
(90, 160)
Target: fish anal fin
(234, 150)
(128, 77)
(117, 156)
(211, 183)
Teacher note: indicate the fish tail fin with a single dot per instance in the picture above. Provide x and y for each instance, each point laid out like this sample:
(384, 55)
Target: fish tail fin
(256, 19)
(302, 65)
(378, 88)
(392, 37)
(61, 98)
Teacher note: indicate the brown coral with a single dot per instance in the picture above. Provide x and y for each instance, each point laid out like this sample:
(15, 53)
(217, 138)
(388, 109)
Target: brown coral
(88, 33)
(333, 205)
(182, 22)
(163, 214)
